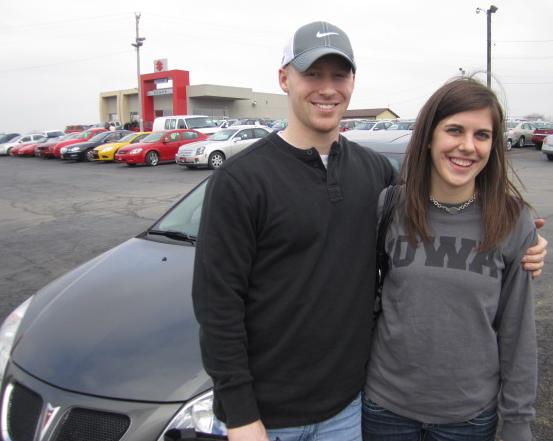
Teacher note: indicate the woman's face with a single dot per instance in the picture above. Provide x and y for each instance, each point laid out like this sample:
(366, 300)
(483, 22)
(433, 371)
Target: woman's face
(460, 149)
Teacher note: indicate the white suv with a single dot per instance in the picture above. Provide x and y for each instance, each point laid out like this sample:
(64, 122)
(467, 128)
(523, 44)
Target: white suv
(201, 123)
(220, 146)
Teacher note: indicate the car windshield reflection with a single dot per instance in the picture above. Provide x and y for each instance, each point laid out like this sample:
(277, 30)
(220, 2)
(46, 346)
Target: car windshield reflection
(153, 137)
(222, 135)
(184, 217)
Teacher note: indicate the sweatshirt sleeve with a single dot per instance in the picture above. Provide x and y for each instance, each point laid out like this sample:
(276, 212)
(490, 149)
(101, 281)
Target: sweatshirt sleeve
(224, 255)
(516, 329)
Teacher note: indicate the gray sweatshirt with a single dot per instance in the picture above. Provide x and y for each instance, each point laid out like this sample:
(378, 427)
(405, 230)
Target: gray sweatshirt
(457, 334)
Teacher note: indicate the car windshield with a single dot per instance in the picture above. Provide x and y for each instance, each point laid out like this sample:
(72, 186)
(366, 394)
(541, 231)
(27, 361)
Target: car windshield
(511, 124)
(200, 122)
(402, 126)
(546, 126)
(55, 134)
(5, 138)
(99, 137)
(84, 135)
(222, 135)
(364, 126)
(153, 137)
(278, 125)
(129, 137)
(185, 217)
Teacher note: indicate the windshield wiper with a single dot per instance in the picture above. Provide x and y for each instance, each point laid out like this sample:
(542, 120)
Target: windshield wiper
(177, 235)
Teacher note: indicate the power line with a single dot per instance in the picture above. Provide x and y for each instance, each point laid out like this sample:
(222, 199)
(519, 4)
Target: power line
(19, 69)
(545, 82)
(67, 20)
(523, 58)
(523, 41)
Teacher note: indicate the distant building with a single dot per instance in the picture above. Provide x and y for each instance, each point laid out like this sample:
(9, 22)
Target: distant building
(169, 93)
(380, 113)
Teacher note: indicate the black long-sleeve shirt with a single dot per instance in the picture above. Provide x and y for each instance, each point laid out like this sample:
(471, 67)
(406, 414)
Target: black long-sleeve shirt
(284, 280)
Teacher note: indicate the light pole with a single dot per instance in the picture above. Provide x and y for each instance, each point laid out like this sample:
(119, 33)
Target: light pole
(462, 72)
(138, 42)
(489, 13)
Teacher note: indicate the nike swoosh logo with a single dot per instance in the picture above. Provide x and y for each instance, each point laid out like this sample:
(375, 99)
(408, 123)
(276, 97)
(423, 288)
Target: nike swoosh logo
(325, 34)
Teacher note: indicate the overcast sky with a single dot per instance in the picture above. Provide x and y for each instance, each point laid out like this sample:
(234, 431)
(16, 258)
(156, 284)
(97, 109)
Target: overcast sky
(57, 56)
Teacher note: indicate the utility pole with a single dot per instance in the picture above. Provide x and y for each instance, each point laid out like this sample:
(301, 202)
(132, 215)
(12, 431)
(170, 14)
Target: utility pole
(137, 44)
(489, 13)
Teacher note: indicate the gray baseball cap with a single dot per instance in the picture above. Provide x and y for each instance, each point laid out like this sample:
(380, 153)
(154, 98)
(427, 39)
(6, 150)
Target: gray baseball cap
(315, 40)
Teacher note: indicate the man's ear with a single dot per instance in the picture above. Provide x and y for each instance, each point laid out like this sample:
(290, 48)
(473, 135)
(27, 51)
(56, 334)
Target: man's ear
(283, 79)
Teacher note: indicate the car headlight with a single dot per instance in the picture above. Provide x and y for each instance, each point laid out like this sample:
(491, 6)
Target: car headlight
(7, 333)
(197, 414)
(200, 150)
(75, 149)
(63, 150)
(135, 151)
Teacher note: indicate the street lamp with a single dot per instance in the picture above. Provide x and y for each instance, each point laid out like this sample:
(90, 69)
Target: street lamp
(462, 72)
(489, 12)
(138, 42)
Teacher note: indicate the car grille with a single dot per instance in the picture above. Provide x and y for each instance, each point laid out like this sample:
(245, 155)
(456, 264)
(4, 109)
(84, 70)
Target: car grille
(92, 425)
(186, 152)
(23, 413)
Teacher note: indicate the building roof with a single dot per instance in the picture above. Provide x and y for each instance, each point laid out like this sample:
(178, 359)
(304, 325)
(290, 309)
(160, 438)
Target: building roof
(367, 113)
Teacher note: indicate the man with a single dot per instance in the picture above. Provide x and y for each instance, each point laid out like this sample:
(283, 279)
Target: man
(284, 274)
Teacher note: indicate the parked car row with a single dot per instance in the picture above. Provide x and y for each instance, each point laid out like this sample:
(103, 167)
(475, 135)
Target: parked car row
(187, 147)
(12, 140)
(373, 124)
(522, 133)
(278, 124)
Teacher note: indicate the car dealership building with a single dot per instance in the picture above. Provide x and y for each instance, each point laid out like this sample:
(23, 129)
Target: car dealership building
(168, 92)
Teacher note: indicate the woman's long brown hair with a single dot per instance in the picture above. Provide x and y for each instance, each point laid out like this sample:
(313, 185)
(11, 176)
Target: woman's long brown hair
(499, 199)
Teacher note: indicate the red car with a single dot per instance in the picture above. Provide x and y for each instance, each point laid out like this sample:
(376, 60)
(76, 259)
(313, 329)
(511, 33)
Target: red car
(45, 149)
(540, 133)
(159, 146)
(25, 149)
(83, 136)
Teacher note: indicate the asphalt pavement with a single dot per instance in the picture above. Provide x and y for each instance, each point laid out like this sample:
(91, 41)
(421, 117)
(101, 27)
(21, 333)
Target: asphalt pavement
(55, 215)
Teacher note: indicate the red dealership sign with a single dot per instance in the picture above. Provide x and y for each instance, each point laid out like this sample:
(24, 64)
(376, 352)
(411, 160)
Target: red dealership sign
(160, 65)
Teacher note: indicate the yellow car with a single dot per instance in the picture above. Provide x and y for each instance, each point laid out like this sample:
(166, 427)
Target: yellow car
(106, 152)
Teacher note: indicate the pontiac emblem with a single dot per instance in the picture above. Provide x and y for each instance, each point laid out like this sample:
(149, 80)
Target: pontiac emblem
(47, 418)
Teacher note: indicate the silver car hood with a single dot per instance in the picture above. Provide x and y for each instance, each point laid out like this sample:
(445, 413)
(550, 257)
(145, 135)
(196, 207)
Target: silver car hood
(119, 326)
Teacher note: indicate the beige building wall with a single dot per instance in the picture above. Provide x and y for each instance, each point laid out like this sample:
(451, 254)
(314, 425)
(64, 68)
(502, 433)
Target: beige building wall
(163, 103)
(119, 103)
(262, 105)
(386, 115)
(204, 99)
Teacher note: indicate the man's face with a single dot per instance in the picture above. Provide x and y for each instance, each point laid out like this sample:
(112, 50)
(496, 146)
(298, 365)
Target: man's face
(318, 97)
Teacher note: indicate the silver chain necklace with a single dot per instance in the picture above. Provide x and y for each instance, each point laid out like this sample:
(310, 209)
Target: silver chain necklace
(453, 210)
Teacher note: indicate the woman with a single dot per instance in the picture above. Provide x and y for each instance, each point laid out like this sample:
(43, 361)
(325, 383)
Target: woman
(455, 344)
